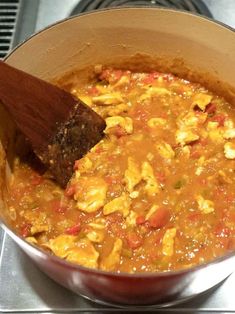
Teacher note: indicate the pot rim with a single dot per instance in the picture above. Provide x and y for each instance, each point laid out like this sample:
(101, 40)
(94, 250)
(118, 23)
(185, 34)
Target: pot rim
(43, 254)
(100, 11)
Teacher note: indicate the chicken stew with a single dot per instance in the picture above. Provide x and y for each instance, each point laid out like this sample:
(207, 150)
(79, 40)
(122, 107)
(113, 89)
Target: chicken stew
(156, 194)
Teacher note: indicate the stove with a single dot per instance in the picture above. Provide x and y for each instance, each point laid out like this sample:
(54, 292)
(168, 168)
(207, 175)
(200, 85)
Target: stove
(23, 288)
(196, 6)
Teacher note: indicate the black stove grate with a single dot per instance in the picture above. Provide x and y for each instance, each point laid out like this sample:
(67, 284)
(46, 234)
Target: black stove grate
(194, 6)
(8, 17)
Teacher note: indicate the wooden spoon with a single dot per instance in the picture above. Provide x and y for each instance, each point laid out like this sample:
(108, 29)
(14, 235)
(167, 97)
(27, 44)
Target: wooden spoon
(60, 127)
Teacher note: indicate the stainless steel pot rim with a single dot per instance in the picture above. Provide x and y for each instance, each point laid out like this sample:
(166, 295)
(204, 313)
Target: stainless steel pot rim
(43, 254)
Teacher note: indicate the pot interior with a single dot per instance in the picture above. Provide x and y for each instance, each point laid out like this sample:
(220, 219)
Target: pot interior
(139, 39)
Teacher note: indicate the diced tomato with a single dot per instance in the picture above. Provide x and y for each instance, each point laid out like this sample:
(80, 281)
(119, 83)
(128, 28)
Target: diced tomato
(168, 77)
(99, 150)
(119, 131)
(203, 182)
(76, 165)
(140, 220)
(195, 144)
(92, 91)
(160, 218)
(219, 191)
(111, 75)
(161, 177)
(211, 108)
(195, 154)
(221, 230)
(70, 190)
(230, 198)
(58, 207)
(116, 75)
(203, 141)
(36, 180)
(112, 179)
(134, 240)
(111, 158)
(74, 229)
(105, 74)
(25, 230)
(194, 217)
(150, 78)
(220, 118)
(109, 180)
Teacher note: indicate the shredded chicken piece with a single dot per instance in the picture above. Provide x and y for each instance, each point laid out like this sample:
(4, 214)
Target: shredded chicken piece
(214, 132)
(216, 136)
(185, 136)
(83, 164)
(191, 120)
(205, 206)
(154, 91)
(83, 254)
(39, 221)
(168, 242)
(151, 186)
(98, 223)
(151, 211)
(96, 236)
(61, 244)
(86, 99)
(156, 122)
(202, 100)
(212, 125)
(113, 98)
(121, 204)
(124, 80)
(131, 219)
(186, 151)
(31, 240)
(165, 150)
(229, 150)
(37, 228)
(134, 194)
(124, 122)
(113, 259)
(91, 193)
(115, 110)
(228, 123)
(132, 175)
(229, 134)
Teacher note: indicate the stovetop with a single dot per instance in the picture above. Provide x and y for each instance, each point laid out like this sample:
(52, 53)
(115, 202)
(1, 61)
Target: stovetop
(23, 288)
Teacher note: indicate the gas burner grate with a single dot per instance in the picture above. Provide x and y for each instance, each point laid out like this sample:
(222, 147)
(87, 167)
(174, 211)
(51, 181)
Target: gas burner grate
(194, 6)
(8, 17)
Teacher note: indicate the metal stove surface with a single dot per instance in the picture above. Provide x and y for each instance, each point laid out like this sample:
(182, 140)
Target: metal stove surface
(23, 288)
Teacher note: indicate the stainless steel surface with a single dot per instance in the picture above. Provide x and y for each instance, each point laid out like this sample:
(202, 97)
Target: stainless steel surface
(26, 289)
(222, 10)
